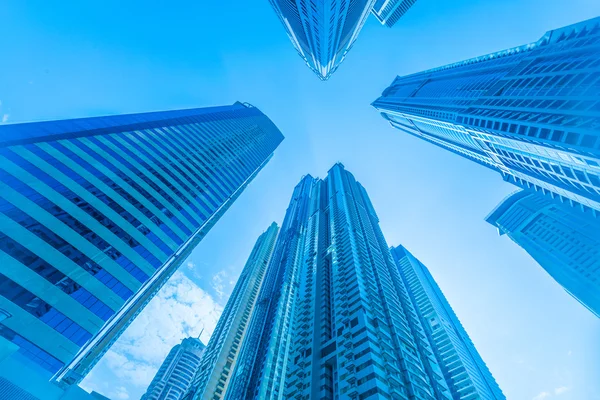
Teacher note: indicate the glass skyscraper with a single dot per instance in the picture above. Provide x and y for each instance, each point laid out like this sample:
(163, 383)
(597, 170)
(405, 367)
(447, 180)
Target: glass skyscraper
(465, 372)
(97, 213)
(220, 357)
(388, 12)
(322, 31)
(175, 375)
(334, 318)
(531, 112)
(561, 239)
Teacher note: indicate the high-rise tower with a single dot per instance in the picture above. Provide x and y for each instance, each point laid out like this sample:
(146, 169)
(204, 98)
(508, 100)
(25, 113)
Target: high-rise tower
(388, 12)
(562, 240)
(322, 31)
(220, 357)
(334, 318)
(531, 113)
(97, 213)
(175, 375)
(465, 372)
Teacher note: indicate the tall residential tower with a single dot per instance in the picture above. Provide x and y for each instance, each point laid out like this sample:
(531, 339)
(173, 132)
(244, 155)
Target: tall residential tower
(565, 242)
(220, 357)
(334, 318)
(97, 213)
(531, 112)
(175, 375)
(388, 12)
(322, 31)
(465, 372)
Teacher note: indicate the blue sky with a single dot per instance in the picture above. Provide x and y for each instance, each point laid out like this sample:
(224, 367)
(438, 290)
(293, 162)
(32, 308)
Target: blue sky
(65, 59)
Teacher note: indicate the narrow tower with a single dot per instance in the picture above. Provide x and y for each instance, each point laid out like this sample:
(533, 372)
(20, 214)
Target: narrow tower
(221, 354)
(176, 373)
(465, 372)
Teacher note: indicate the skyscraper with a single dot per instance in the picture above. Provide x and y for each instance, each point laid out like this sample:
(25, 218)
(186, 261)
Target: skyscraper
(465, 372)
(322, 31)
(97, 213)
(176, 373)
(531, 112)
(388, 12)
(562, 240)
(221, 354)
(334, 318)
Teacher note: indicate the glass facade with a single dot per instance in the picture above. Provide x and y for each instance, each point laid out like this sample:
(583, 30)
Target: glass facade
(322, 31)
(176, 373)
(465, 372)
(531, 112)
(388, 12)
(220, 357)
(335, 318)
(97, 213)
(562, 240)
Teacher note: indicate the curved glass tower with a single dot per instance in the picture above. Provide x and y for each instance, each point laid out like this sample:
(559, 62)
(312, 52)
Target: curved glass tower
(97, 213)
(565, 242)
(531, 112)
(335, 318)
(322, 31)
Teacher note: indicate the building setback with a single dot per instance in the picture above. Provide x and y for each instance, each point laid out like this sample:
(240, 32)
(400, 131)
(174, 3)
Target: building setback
(222, 350)
(565, 242)
(175, 375)
(97, 213)
(334, 318)
(388, 12)
(322, 31)
(531, 112)
(465, 371)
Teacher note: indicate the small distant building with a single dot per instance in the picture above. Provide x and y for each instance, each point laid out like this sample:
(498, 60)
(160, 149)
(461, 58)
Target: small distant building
(176, 373)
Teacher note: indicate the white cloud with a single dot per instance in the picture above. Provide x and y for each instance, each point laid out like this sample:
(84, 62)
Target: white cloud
(181, 309)
(542, 396)
(121, 393)
(5, 117)
(217, 283)
(570, 353)
(560, 390)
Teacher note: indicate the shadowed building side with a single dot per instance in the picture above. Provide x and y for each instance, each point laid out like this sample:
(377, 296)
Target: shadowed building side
(564, 241)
